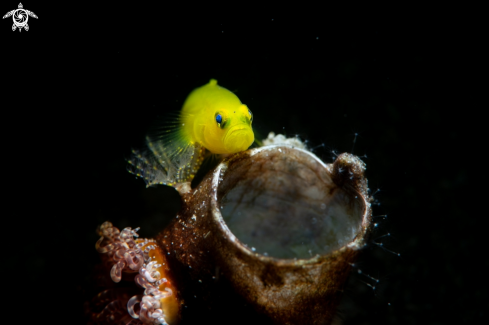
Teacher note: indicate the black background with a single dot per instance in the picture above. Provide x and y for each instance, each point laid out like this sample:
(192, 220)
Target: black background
(81, 87)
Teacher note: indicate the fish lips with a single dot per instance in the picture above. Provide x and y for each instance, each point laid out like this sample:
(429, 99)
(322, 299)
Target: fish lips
(238, 139)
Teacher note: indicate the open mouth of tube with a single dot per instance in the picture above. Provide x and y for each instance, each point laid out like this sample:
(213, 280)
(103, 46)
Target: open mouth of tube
(287, 206)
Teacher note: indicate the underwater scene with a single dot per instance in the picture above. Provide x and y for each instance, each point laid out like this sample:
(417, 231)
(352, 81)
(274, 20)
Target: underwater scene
(212, 164)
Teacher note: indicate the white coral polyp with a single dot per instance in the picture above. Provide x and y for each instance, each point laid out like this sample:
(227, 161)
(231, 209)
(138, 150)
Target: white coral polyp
(127, 255)
(150, 311)
(149, 271)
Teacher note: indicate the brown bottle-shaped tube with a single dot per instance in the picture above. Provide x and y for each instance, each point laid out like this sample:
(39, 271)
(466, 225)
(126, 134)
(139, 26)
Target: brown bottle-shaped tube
(268, 237)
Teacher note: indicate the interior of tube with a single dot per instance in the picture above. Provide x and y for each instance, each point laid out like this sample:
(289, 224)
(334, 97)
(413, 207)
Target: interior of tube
(283, 204)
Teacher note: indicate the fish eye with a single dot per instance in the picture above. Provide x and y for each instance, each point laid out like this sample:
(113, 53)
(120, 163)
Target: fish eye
(218, 118)
(220, 121)
(251, 114)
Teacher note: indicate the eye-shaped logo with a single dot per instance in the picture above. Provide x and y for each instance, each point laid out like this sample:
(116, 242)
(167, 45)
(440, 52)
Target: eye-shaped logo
(20, 17)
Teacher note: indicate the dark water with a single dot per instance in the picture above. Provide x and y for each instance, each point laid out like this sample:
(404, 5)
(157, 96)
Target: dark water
(82, 86)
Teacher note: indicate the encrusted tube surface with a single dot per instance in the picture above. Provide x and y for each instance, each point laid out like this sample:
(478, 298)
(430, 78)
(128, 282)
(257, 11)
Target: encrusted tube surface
(269, 236)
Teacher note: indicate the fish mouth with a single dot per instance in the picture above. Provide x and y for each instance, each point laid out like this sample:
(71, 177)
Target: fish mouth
(238, 139)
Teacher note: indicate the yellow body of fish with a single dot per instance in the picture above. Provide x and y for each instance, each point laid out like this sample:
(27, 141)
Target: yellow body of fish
(212, 118)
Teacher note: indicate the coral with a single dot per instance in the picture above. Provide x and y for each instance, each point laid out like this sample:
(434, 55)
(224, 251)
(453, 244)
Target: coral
(270, 235)
(129, 255)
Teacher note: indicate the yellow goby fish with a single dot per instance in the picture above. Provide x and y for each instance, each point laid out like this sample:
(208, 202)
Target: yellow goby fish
(212, 118)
